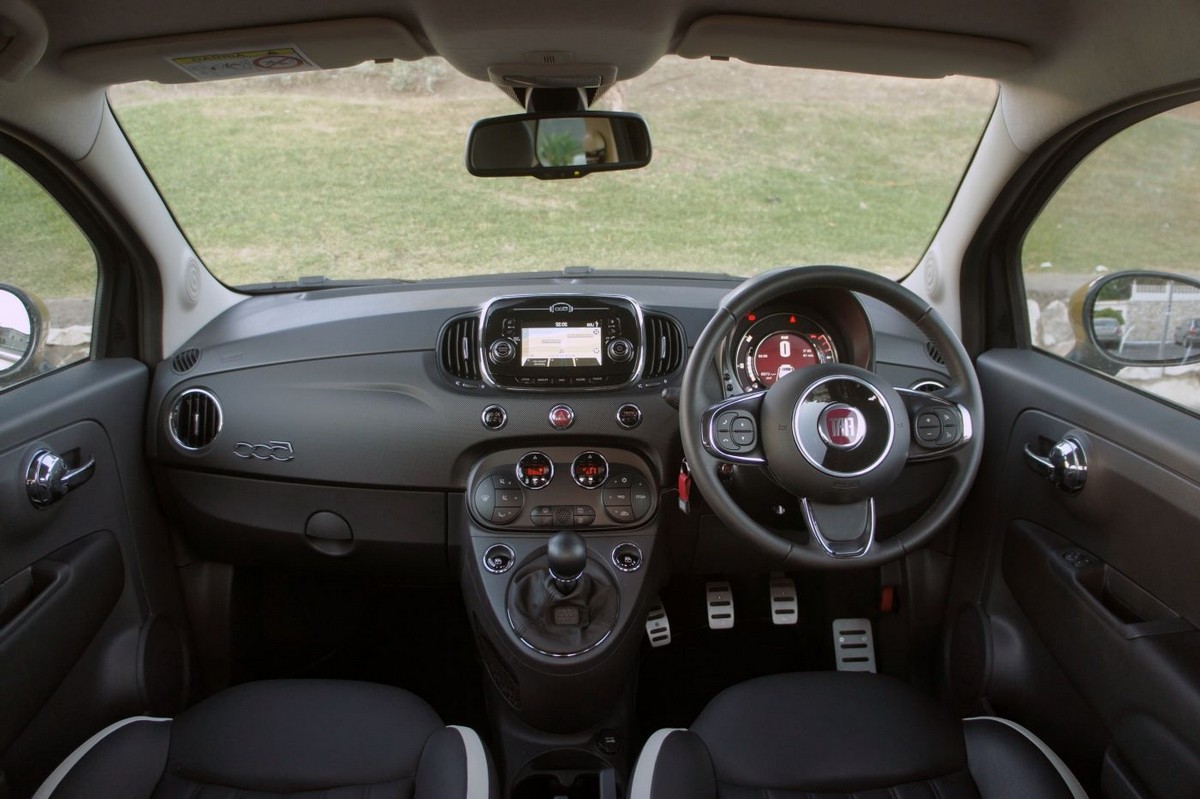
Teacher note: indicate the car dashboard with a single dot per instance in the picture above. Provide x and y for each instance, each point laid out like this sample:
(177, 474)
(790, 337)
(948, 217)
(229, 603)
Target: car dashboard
(377, 424)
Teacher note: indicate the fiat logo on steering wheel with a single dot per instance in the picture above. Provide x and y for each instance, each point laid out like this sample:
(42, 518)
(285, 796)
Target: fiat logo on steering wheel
(842, 426)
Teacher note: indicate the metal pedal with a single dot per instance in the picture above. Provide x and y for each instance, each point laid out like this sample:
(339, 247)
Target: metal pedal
(658, 627)
(853, 645)
(785, 607)
(719, 597)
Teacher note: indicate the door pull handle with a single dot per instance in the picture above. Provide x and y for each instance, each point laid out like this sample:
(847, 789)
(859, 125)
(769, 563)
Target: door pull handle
(49, 479)
(1065, 465)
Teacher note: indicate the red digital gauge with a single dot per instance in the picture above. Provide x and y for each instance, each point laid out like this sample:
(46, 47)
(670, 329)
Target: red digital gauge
(535, 470)
(778, 344)
(590, 469)
(780, 354)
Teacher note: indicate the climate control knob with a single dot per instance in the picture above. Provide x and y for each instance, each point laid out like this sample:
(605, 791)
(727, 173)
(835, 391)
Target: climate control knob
(620, 350)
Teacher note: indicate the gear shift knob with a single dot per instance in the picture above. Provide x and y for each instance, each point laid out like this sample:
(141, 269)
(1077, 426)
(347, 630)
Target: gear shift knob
(567, 554)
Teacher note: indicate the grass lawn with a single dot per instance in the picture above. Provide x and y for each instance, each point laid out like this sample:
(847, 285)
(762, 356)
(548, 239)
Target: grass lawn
(359, 174)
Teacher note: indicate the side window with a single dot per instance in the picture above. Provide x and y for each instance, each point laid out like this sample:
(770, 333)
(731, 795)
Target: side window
(1112, 265)
(48, 275)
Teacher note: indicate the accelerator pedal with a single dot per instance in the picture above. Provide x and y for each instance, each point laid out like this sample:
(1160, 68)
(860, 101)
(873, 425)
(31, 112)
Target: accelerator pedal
(853, 645)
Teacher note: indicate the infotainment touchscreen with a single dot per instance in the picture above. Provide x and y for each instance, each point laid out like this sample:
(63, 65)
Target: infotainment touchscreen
(565, 345)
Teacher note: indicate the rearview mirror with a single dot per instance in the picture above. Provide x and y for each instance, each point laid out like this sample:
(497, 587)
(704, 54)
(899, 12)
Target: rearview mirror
(556, 146)
(1137, 318)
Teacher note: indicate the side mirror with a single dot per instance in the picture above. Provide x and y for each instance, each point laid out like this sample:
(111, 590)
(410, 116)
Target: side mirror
(1137, 318)
(558, 145)
(22, 334)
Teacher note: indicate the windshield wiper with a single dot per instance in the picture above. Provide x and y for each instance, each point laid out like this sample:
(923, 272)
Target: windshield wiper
(315, 282)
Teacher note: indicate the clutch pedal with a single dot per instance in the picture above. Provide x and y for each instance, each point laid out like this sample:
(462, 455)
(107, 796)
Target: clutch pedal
(658, 626)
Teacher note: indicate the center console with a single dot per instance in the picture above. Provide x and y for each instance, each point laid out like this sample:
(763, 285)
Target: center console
(560, 569)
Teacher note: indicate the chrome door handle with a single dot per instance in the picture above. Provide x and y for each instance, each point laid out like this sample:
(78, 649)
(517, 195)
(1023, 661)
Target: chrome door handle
(49, 479)
(1065, 465)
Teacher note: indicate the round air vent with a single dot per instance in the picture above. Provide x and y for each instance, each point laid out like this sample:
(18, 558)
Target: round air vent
(195, 419)
(185, 360)
(928, 386)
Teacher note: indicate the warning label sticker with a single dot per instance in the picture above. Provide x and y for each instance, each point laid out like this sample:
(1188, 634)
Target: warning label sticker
(217, 66)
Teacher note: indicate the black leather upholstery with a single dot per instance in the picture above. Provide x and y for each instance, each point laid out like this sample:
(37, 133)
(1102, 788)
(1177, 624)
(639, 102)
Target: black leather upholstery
(293, 738)
(833, 735)
(533, 601)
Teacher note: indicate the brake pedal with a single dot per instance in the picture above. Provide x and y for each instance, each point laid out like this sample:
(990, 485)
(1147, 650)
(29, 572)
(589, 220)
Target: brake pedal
(853, 645)
(719, 597)
(658, 627)
(785, 607)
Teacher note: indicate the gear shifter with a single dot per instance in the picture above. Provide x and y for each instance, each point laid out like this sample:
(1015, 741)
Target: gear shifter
(567, 554)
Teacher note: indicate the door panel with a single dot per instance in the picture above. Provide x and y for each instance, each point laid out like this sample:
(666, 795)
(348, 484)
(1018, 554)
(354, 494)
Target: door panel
(1091, 599)
(89, 616)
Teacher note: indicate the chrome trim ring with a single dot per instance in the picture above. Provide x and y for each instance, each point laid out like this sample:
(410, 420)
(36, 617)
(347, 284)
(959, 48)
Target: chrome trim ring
(570, 416)
(606, 470)
(489, 409)
(517, 470)
(174, 416)
(798, 435)
(512, 558)
(641, 557)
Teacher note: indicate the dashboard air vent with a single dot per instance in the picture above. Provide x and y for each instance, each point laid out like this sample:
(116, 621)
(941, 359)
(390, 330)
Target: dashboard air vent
(934, 353)
(195, 419)
(184, 361)
(664, 346)
(458, 346)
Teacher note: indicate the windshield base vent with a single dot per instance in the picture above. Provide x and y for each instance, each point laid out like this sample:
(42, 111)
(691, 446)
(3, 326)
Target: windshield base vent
(195, 419)
(184, 361)
(458, 346)
(664, 346)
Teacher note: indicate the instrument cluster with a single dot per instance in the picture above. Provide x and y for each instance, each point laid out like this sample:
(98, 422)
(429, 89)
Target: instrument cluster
(769, 345)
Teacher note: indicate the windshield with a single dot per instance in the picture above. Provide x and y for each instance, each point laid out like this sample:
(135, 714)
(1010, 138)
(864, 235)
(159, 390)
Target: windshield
(359, 173)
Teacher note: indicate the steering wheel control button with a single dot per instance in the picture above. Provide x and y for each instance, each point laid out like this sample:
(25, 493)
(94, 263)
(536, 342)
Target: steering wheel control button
(499, 558)
(629, 416)
(627, 557)
(494, 417)
(589, 470)
(929, 428)
(535, 470)
(725, 422)
(561, 417)
(502, 351)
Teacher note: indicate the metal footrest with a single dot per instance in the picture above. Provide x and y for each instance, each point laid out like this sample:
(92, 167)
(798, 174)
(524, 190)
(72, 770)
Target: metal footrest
(719, 598)
(853, 645)
(658, 627)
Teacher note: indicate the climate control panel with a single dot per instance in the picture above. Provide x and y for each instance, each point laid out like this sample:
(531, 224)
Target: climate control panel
(560, 488)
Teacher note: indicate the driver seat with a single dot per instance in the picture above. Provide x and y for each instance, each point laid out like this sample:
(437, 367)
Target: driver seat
(835, 735)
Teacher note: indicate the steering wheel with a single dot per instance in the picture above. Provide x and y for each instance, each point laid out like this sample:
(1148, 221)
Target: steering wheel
(834, 435)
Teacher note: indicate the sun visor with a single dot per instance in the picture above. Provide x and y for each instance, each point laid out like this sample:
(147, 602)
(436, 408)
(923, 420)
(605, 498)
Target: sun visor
(851, 48)
(218, 55)
(23, 38)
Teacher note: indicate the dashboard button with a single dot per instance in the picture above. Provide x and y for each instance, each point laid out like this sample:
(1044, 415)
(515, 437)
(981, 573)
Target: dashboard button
(499, 558)
(485, 498)
(494, 417)
(641, 498)
(542, 516)
(509, 498)
(627, 557)
(629, 416)
(561, 417)
(502, 351)
(505, 515)
(619, 513)
(616, 496)
(620, 480)
(535, 470)
(504, 481)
